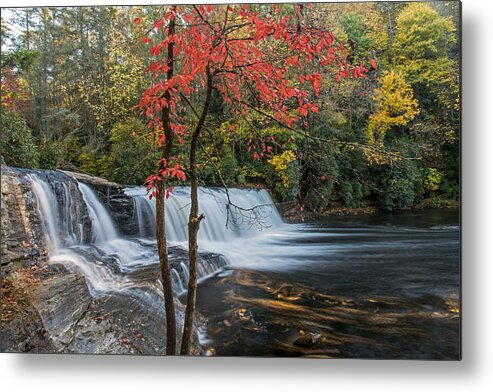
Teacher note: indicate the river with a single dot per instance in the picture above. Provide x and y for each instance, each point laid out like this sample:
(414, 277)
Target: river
(384, 286)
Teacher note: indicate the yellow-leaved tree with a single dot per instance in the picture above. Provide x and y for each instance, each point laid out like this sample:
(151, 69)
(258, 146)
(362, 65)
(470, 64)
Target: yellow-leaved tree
(395, 105)
(421, 45)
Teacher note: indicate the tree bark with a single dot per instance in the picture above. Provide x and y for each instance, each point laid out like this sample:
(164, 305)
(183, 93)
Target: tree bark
(193, 226)
(162, 245)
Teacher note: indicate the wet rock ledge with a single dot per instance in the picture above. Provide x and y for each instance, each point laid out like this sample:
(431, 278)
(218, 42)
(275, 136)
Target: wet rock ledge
(113, 196)
(47, 309)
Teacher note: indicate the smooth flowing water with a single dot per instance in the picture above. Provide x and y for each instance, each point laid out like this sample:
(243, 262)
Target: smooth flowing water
(385, 286)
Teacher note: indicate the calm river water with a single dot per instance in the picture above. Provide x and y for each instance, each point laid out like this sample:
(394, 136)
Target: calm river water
(384, 286)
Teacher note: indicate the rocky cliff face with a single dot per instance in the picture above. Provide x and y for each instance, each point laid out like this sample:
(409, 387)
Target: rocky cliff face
(55, 313)
(22, 236)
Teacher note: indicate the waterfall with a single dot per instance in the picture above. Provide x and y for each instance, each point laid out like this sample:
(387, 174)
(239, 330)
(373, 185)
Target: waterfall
(80, 234)
(61, 216)
(250, 212)
(103, 228)
(47, 208)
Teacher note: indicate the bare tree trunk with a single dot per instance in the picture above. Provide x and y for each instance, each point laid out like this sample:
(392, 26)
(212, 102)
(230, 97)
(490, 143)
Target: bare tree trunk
(193, 227)
(165, 271)
(162, 245)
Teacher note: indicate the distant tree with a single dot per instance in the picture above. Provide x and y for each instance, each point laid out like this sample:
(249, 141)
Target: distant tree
(16, 142)
(421, 50)
(394, 106)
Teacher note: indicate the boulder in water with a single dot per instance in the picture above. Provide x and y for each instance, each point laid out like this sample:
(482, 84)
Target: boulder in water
(309, 339)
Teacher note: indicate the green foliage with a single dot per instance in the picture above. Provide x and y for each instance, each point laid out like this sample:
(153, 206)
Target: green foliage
(400, 186)
(89, 163)
(432, 180)
(360, 41)
(352, 193)
(318, 176)
(130, 159)
(20, 59)
(421, 52)
(422, 42)
(16, 142)
(50, 154)
(218, 159)
(71, 149)
(229, 167)
(346, 193)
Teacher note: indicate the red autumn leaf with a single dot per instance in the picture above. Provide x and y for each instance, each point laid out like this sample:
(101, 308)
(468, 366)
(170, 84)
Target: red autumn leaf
(373, 64)
(176, 172)
(137, 21)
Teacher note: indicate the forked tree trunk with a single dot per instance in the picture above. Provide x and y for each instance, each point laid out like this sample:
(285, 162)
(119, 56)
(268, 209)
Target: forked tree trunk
(193, 226)
(162, 245)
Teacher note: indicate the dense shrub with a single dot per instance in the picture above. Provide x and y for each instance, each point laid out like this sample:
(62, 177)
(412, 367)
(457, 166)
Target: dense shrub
(16, 142)
(50, 154)
(130, 158)
(71, 150)
(89, 163)
(319, 175)
(227, 166)
(352, 193)
(399, 188)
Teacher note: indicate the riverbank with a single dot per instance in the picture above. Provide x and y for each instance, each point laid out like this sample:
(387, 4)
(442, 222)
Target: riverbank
(298, 215)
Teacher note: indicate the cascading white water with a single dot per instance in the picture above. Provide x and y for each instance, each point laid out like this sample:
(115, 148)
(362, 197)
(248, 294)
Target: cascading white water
(47, 208)
(61, 217)
(108, 261)
(249, 212)
(250, 233)
(103, 228)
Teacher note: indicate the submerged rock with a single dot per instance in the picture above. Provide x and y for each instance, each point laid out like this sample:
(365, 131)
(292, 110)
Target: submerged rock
(309, 339)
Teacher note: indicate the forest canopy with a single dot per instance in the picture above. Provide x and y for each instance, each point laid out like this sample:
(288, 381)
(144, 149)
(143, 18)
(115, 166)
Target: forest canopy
(72, 79)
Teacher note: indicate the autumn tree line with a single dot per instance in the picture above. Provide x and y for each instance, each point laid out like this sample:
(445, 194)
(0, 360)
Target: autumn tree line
(73, 81)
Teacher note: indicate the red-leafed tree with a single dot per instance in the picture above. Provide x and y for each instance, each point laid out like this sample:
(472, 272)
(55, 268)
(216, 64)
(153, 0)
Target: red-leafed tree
(265, 59)
(14, 94)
